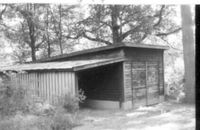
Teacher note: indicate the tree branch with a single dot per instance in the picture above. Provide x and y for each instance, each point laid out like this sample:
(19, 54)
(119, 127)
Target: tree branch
(40, 43)
(94, 20)
(170, 44)
(124, 35)
(159, 16)
(70, 37)
(96, 39)
(125, 22)
(168, 33)
(96, 28)
(2, 12)
(105, 23)
(129, 18)
(144, 36)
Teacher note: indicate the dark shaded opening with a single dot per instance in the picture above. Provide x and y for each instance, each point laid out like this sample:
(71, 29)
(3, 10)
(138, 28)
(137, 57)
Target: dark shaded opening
(102, 83)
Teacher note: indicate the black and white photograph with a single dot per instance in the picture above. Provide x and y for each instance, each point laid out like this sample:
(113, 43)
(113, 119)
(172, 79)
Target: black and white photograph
(97, 65)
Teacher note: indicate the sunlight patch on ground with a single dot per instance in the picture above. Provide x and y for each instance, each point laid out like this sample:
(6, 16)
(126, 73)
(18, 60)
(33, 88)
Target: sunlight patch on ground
(134, 122)
(164, 116)
(191, 124)
(135, 114)
(93, 119)
(146, 108)
(169, 126)
(168, 116)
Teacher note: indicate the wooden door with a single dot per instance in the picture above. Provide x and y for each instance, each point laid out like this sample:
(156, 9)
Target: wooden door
(139, 90)
(152, 83)
(145, 89)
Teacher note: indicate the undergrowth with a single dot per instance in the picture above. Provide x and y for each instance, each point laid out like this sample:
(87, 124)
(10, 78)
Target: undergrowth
(19, 111)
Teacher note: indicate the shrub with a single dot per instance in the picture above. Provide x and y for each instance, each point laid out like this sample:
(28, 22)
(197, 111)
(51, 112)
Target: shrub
(14, 97)
(174, 77)
(42, 109)
(176, 90)
(71, 103)
(20, 122)
(64, 121)
(66, 115)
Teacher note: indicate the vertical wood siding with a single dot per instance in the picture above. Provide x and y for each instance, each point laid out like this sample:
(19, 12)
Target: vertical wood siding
(127, 81)
(48, 85)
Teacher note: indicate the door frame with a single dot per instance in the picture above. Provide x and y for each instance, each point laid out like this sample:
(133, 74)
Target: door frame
(147, 86)
(133, 88)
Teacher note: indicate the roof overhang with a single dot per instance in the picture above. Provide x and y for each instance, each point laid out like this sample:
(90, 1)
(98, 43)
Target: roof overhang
(104, 48)
(75, 65)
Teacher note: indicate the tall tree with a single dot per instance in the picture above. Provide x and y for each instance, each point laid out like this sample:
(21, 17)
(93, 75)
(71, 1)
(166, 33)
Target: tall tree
(60, 28)
(62, 17)
(112, 24)
(3, 8)
(29, 30)
(189, 52)
(43, 27)
(47, 30)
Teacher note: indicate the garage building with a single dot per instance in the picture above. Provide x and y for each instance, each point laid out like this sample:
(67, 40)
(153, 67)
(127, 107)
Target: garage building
(120, 76)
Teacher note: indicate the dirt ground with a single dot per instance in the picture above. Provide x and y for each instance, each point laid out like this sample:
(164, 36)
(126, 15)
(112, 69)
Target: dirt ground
(164, 116)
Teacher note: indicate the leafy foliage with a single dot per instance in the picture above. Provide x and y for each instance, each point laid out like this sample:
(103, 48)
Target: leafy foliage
(111, 24)
(17, 106)
(71, 103)
(39, 28)
(62, 120)
(44, 30)
(13, 98)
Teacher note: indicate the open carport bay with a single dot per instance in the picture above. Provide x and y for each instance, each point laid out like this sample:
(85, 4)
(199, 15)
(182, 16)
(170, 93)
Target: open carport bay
(102, 86)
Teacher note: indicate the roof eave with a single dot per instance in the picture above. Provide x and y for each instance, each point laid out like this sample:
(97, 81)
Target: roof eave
(104, 48)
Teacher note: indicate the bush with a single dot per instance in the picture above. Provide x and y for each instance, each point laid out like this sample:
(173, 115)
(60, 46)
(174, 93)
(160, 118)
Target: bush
(71, 103)
(20, 122)
(66, 115)
(42, 109)
(64, 121)
(176, 90)
(13, 98)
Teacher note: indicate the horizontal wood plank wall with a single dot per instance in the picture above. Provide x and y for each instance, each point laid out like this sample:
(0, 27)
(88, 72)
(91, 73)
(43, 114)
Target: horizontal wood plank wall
(49, 86)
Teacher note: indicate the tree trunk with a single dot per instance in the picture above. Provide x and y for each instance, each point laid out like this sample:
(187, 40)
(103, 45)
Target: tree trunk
(33, 54)
(48, 47)
(189, 53)
(47, 35)
(115, 23)
(31, 27)
(32, 38)
(60, 29)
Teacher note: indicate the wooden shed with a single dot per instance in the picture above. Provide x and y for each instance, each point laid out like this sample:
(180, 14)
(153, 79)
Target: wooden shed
(119, 76)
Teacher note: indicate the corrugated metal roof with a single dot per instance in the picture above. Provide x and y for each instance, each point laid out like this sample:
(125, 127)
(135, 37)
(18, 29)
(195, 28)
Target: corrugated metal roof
(68, 65)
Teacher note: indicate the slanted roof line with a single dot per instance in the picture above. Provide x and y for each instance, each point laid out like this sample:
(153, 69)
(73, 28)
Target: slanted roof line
(83, 67)
(106, 48)
(67, 65)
